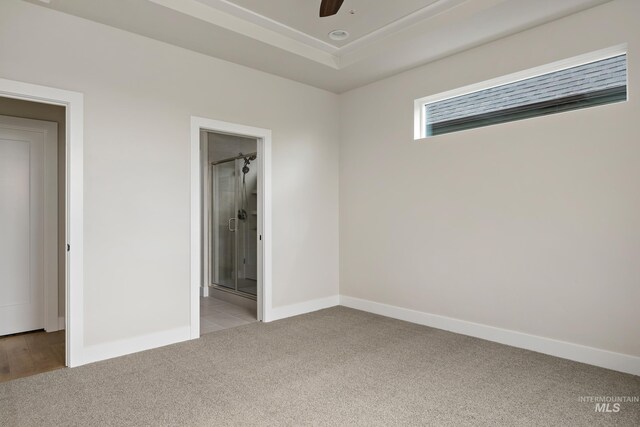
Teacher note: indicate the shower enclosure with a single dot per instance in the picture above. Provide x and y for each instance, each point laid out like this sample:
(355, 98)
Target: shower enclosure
(233, 228)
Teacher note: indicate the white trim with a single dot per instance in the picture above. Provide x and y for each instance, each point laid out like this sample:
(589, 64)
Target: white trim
(61, 324)
(577, 352)
(419, 128)
(283, 312)
(264, 252)
(205, 220)
(74, 103)
(263, 137)
(109, 350)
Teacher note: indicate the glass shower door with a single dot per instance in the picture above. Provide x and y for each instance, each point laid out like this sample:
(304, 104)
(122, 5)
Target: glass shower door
(225, 224)
(234, 225)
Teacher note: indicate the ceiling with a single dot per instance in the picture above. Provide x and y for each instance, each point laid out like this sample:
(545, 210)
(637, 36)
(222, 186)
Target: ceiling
(287, 38)
(359, 17)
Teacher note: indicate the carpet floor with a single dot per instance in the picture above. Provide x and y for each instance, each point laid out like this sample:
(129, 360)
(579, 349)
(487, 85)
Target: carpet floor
(334, 367)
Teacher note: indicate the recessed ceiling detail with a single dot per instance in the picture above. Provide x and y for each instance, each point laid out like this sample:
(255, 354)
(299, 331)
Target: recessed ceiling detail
(288, 38)
(299, 19)
(302, 15)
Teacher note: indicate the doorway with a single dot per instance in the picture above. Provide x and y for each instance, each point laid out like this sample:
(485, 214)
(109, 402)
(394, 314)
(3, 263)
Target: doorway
(71, 211)
(230, 219)
(230, 231)
(32, 260)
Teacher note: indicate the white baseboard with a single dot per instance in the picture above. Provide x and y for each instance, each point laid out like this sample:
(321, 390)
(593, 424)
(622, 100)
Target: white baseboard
(579, 353)
(110, 350)
(277, 313)
(96, 353)
(61, 324)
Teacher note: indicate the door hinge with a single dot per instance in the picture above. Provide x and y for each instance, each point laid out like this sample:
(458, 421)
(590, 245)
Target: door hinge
(68, 247)
(261, 237)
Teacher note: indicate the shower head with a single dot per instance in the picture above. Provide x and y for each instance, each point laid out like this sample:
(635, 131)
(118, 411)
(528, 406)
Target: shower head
(245, 168)
(247, 162)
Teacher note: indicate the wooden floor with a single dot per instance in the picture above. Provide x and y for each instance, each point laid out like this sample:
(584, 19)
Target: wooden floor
(31, 353)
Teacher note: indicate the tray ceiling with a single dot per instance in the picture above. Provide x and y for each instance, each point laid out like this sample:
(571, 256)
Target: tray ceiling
(287, 38)
(358, 17)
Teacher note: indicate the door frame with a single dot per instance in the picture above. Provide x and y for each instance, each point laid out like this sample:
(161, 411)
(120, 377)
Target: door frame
(263, 137)
(74, 142)
(49, 131)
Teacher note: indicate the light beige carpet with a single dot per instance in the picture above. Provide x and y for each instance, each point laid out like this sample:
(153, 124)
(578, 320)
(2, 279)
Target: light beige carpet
(334, 367)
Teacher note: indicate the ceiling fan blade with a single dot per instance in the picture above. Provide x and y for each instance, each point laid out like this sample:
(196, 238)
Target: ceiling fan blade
(330, 7)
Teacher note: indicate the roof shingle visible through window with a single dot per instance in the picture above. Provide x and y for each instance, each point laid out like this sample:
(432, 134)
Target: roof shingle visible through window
(605, 74)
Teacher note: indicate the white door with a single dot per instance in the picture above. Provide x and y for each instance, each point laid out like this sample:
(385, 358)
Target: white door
(28, 224)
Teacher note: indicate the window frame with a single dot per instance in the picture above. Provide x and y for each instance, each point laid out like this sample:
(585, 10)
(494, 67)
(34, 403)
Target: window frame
(420, 128)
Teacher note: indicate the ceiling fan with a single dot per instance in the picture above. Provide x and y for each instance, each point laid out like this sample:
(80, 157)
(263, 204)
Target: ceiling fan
(330, 7)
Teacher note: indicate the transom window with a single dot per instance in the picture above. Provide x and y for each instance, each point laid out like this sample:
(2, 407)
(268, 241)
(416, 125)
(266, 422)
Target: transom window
(532, 93)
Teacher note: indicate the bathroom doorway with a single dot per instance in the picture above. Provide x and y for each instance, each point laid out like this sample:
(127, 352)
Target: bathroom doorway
(231, 251)
(230, 231)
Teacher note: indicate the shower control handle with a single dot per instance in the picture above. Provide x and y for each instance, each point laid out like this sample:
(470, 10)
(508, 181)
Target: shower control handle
(229, 224)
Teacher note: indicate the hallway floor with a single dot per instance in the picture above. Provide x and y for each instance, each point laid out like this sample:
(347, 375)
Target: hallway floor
(216, 315)
(30, 353)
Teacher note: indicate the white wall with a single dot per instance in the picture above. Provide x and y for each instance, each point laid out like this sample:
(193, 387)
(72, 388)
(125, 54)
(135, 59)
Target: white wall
(532, 226)
(139, 95)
